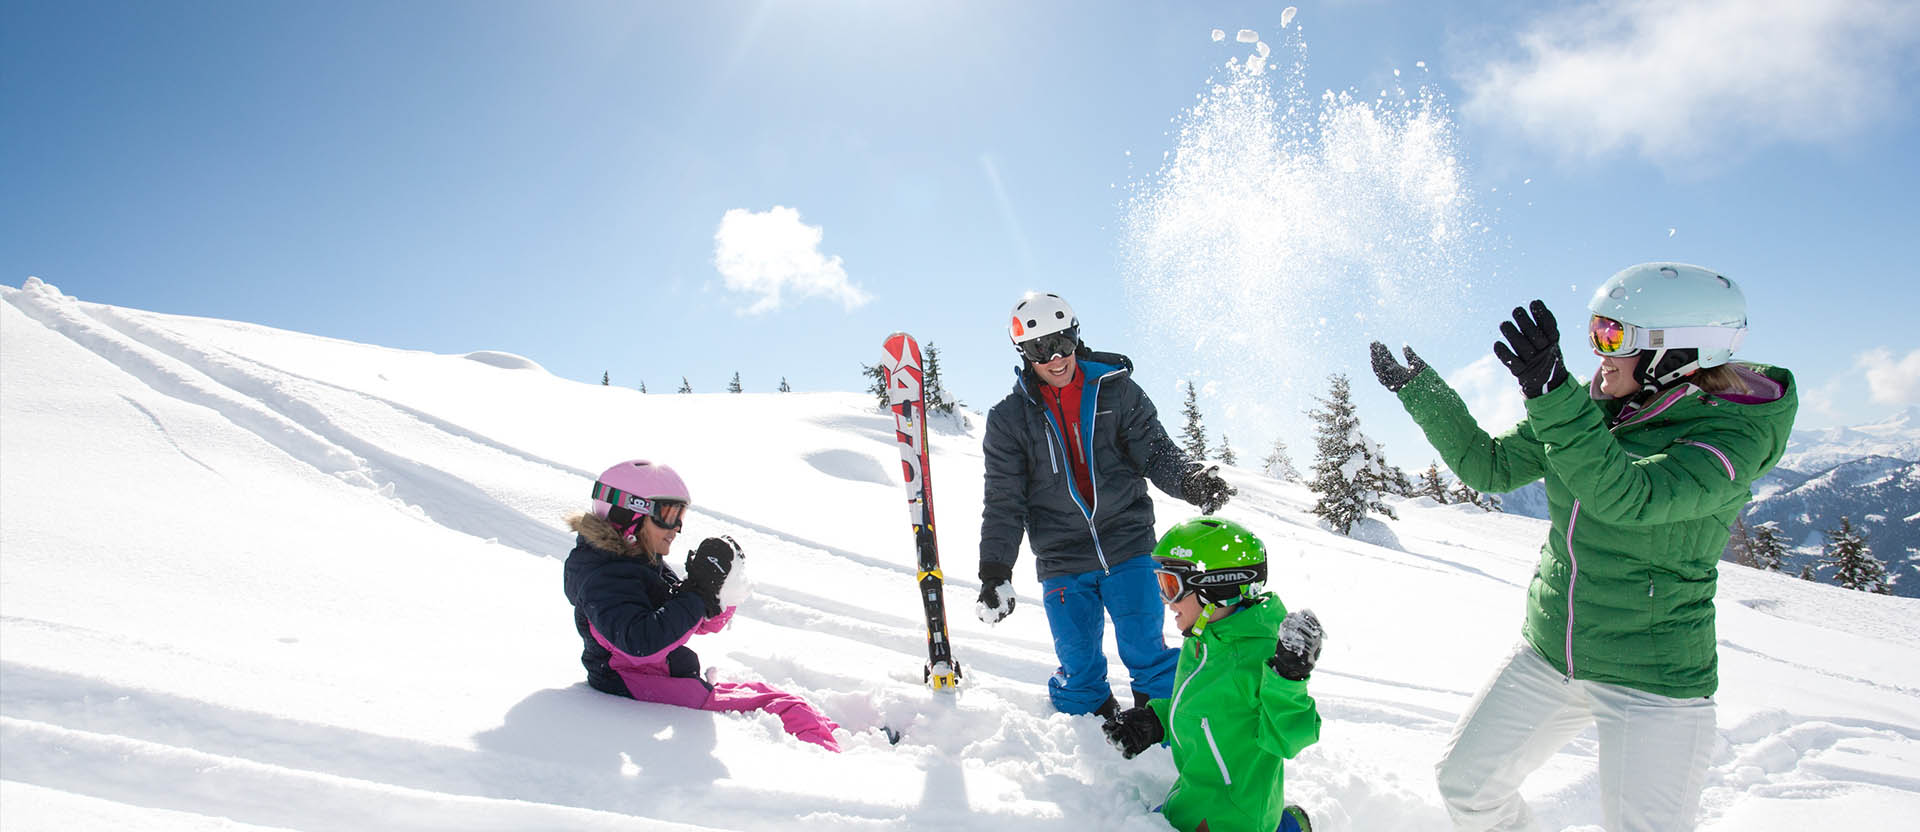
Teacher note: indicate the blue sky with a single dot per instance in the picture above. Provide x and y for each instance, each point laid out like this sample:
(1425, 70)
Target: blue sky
(658, 190)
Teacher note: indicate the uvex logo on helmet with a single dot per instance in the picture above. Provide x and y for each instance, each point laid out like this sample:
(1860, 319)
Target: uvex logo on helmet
(1219, 577)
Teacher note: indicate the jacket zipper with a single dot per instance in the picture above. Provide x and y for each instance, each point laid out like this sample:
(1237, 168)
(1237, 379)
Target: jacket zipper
(1215, 747)
(1175, 707)
(1573, 519)
(1093, 475)
(1573, 577)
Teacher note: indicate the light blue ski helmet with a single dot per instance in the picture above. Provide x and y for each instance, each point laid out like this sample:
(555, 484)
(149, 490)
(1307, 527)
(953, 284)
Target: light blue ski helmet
(1670, 306)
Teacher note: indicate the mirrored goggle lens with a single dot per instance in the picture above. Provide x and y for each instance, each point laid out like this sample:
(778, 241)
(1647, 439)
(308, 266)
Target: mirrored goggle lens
(1049, 347)
(668, 514)
(1608, 336)
(1171, 586)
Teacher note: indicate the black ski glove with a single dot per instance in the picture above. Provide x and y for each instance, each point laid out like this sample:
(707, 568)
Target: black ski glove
(996, 593)
(1133, 730)
(1534, 357)
(707, 569)
(1388, 370)
(1299, 646)
(1203, 487)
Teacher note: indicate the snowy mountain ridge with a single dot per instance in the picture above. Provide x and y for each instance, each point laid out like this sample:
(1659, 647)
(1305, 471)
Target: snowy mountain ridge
(256, 579)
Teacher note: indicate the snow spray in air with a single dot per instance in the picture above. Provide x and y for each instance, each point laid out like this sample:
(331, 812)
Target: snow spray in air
(1282, 233)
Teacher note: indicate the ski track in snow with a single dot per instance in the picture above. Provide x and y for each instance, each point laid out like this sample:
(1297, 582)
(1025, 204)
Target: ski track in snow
(572, 758)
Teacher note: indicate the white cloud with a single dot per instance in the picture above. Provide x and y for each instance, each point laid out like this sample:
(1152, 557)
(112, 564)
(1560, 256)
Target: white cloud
(1491, 394)
(1690, 80)
(768, 254)
(1890, 380)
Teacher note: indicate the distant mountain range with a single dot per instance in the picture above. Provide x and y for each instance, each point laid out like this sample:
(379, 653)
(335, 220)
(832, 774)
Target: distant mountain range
(1869, 473)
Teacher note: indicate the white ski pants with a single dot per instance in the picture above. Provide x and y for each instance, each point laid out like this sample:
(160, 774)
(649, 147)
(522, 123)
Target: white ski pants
(1653, 749)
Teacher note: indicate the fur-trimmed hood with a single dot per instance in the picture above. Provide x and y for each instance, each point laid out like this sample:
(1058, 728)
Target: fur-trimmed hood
(601, 535)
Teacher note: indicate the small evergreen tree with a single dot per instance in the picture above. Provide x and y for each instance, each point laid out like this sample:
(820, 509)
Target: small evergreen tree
(937, 398)
(1194, 434)
(1277, 465)
(643, 387)
(734, 385)
(1344, 458)
(1740, 545)
(1854, 565)
(876, 382)
(1432, 484)
(784, 387)
(1467, 496)
(685, 386)
(1806, 572)
(1396, 479)
(603, 378)
(1226, 451)
(1768, 546)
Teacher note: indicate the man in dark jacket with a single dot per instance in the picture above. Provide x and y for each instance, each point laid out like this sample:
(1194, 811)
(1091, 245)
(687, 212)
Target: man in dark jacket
(1068, 456)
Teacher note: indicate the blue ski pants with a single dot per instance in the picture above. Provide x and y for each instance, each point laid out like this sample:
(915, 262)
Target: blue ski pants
(1077, 610)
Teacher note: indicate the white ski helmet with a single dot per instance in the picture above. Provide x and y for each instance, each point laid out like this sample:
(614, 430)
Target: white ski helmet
(1043, 320)
(1668, 306)
(1040, 314)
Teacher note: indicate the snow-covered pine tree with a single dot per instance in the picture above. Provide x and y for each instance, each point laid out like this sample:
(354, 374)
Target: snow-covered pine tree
(604, 379)
(1432, 484)
(1227, 455)
(643, 387)
(1342, 454)
(784, 387)
(734, 385)
(1806, 572)
(1397, 481)
(1374, 474)
(1462, 494)
(1194, 434)
(938, 400)
(1768, 545)
(685, 386)
(1854, 565)
(1277, 465)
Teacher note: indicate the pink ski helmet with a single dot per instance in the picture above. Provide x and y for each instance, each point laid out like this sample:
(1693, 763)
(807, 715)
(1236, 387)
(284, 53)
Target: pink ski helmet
(639, 488)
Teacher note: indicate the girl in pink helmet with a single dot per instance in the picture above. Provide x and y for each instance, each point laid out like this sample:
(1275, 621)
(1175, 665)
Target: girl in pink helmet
(635, 615)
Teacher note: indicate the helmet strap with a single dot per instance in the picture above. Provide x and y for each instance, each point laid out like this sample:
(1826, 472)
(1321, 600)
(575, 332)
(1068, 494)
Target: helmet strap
(1200, 624)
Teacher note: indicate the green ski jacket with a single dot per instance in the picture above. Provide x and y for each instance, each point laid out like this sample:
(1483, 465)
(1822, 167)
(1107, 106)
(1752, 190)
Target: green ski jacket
(1641, 504)
(1231, 722)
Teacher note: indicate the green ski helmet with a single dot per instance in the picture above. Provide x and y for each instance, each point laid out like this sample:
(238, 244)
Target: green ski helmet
(1217, 559)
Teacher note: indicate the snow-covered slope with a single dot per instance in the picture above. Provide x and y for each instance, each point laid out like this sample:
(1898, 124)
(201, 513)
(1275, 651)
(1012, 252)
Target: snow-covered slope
(256, 579)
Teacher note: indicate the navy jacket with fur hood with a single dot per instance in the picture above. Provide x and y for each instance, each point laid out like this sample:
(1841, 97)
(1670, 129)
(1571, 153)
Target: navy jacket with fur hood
(632, 600)
(1029, 485)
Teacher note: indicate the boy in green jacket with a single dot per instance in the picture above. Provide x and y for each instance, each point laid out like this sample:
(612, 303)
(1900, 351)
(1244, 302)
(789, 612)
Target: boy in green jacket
(1240, 705)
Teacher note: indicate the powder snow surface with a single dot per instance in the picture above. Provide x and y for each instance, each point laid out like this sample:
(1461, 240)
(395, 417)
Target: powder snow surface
(254, 579)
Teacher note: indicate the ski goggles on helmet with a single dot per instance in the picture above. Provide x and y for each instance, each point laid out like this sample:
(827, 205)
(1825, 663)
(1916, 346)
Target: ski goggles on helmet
(628, 508)
(1618, 339)
(1222, 585)
(1050, 346)
(1173, 582)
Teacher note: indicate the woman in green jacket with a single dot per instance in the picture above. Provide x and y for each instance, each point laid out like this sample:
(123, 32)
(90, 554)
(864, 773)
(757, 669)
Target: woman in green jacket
(1646, 468)
(1240, 706)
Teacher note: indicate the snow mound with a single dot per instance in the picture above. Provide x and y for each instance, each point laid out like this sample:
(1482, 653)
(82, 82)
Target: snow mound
(504, 360)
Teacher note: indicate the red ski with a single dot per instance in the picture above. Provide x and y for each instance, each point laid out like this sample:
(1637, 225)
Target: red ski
(905, 397)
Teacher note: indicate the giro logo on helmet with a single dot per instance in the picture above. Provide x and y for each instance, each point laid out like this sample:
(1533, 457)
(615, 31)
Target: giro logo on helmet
(1182, 552)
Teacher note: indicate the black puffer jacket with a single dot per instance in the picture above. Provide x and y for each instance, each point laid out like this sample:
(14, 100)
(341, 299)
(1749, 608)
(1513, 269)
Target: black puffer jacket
(1029, 486)
(634, 601)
